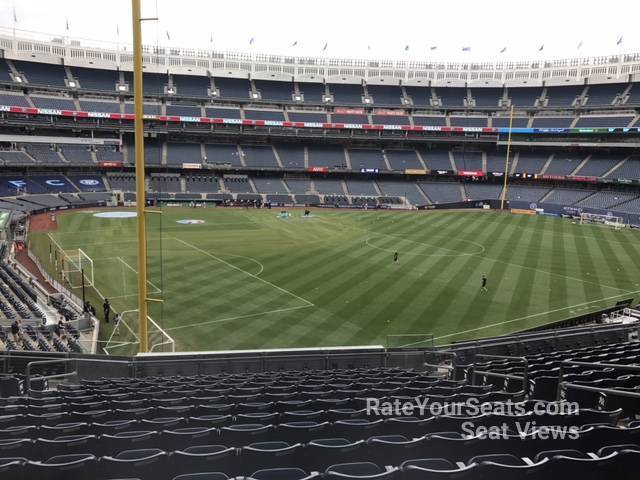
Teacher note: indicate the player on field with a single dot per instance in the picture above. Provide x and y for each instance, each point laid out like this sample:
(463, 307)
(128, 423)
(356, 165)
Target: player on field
(484, 284)
(395, 257)
(116, 323)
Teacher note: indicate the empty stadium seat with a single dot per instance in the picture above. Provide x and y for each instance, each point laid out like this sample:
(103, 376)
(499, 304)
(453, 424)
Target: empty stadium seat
(360, 470)
(145, 464)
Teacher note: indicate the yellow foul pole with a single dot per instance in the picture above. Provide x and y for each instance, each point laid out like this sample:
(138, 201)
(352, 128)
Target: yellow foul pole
(506, 163)
(140, 194)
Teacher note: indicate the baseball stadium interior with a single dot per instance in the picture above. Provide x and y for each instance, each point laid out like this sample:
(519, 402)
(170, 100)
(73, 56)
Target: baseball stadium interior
(277, 153)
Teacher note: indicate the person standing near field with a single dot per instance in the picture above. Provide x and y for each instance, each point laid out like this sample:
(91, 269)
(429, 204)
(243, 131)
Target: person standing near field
(116, 323)
(484, 284)
(395, 257)
(106, 306)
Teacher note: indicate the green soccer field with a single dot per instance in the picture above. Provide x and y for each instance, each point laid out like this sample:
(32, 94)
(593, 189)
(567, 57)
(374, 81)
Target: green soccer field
(247, 279)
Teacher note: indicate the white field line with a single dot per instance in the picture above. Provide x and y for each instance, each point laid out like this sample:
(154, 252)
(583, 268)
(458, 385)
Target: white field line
(158, 290)
(110, 242)
(95, 230)
(231, 265)
(113, 297)
(251, 259)
(239, 317)
(534, 315)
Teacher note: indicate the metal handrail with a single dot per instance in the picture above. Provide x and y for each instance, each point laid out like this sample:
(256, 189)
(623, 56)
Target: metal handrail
(454, 361)
(524, 377)
(563, 363)
(47, 362)
(138, 362)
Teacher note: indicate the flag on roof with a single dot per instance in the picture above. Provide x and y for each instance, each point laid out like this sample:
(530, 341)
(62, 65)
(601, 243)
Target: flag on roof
(406, 48)
(211, 37)
(66, 20)
(541, 48)
(369, 47)
(252, 40)
(325, 46)
(168, 36)
(118, 30)
(15, 16)
(433, 47)
(619, 42)
(466, 49)
(580, 45)
(295, 43)
(504, 49)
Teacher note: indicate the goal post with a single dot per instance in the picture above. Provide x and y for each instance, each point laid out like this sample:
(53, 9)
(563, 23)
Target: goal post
(74, 264)
(604, 220)
(124, 339)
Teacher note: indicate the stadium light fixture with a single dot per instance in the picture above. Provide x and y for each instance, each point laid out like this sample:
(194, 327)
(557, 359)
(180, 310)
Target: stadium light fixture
(17, 79)
(255, 95)
(171, 90)
(327, 98)
(123, 87)
(72, 84)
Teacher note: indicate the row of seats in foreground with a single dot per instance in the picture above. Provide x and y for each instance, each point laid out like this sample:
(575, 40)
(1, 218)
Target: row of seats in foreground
(617, 461)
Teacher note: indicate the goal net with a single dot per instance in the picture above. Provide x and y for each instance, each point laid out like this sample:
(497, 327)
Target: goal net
(76, 266)
(124, 339)
(604, 220)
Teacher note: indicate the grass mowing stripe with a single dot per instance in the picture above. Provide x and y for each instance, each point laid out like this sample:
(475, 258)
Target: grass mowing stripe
(518, 304)
(240, 270)
(613, 264)
(350, 291)
(444, 294)
(424, 265)
(632, 257)
(585, 263)
(558, 287)
(499, 283)
(388, 277)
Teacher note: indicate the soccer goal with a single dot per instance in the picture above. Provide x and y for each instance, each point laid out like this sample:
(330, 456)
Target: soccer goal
(605, 220)
(124, 339)
(74, 265)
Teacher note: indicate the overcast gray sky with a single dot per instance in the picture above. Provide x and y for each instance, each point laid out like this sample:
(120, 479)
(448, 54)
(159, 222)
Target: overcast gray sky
(352, 29)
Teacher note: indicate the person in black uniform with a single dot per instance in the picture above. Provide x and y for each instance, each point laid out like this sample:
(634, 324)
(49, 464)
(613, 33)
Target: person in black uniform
(106, 306)
(484, 284)
(395, 257)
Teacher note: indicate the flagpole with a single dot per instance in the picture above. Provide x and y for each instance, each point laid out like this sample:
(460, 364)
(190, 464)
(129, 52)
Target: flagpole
(15, 21)
(506, 162)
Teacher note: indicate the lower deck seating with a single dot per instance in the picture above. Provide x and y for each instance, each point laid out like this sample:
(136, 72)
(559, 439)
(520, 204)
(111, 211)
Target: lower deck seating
(256, 425)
